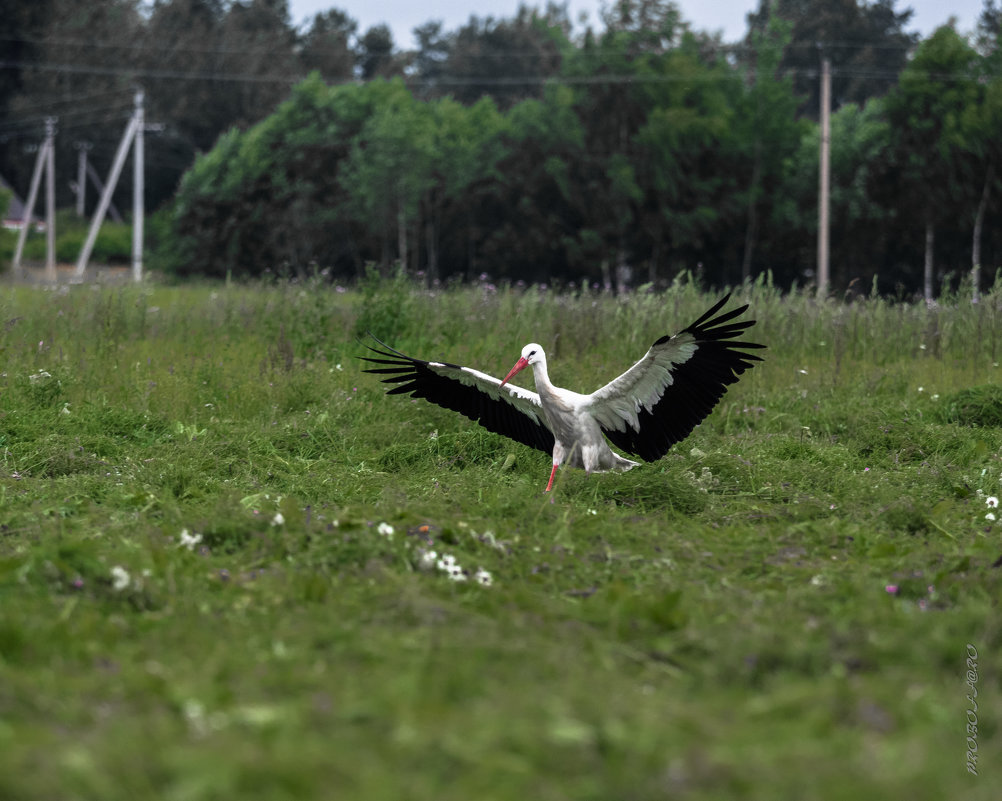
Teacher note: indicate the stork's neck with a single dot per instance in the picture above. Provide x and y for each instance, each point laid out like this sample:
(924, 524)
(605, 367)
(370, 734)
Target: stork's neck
(540, 375)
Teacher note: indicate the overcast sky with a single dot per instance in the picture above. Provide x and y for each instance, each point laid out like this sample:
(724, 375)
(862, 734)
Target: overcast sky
(709, 15)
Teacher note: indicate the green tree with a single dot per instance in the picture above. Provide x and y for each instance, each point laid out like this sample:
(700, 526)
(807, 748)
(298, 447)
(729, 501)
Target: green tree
(507, 59)
(376, 55)
(531, 215)
(865, 41)
(269, 197)
(765, 130)
(326, 46)
(389, 169)
(688, 158)
(619, 77)
(860, 234)
(466, 150)
(927, 112)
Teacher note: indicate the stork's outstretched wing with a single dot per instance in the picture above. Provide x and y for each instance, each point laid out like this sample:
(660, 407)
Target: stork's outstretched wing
(659, 400)
(511, 410)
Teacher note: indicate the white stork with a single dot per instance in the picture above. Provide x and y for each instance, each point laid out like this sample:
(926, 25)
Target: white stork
(650, 407)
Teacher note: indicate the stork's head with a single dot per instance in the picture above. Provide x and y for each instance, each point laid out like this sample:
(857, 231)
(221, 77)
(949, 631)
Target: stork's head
(531, 354)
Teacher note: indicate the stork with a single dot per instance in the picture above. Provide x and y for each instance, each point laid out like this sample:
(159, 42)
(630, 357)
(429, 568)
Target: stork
(646, 410)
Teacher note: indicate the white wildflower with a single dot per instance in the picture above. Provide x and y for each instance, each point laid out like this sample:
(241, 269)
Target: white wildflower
(483, 577)
(120, 578)
(386, 530)
(992, 502)
(188, 540)
(447, 562)
(448, 565)
(41, 375)
(427, 559)
(278, 519)
(990, 516)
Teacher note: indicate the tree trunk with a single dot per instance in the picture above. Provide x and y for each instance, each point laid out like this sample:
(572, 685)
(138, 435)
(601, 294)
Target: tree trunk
(431, 242)
(927, 283)
(384, 245)
(652, 268)
(751, 229)
(979, 221)
(402, 237)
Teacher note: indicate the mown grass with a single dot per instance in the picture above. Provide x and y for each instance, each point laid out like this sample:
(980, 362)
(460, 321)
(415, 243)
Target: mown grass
(781, 608)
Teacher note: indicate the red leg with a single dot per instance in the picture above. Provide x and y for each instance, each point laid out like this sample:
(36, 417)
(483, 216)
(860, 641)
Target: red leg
(552, 474)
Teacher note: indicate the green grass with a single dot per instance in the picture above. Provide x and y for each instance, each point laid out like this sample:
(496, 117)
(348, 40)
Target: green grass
(714, 625)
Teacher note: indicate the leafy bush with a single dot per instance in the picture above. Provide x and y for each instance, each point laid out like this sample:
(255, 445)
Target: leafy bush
(113, 243)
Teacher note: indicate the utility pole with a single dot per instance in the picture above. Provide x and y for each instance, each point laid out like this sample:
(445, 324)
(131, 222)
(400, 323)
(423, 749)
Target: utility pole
(29, 209)
(102, 206)
(138, 207)
(45, 160)
(99, 185)
(82, 149)
(824, 177)
(133, 133)
(50, 199)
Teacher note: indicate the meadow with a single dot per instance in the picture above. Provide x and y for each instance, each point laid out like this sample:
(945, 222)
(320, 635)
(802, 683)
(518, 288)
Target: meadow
(216, 578)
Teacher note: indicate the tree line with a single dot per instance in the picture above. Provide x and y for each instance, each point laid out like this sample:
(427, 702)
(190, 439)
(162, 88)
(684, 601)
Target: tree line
(527, 150)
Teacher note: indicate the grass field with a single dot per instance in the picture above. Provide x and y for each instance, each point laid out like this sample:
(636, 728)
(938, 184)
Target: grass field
(214, 580)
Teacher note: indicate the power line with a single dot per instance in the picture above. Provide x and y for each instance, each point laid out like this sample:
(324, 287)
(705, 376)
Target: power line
(610, 78)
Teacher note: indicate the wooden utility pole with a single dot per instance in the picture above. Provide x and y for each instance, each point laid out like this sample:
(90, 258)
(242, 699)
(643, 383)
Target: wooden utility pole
(824, 176)
(138, 207)
(50, 199)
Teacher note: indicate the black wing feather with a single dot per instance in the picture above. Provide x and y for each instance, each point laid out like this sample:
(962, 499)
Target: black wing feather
(698, 384)
(419, 378)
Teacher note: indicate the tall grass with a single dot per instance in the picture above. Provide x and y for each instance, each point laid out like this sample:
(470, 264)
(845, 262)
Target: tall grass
(197, 599)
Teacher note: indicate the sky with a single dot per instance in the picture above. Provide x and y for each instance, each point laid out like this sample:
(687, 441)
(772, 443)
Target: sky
(727, 16)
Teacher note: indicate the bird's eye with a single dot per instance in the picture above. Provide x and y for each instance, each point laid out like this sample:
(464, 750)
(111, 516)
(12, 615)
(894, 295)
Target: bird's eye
(532, 353)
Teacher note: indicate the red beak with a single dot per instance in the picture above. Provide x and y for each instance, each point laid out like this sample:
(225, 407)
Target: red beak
(520, 365)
